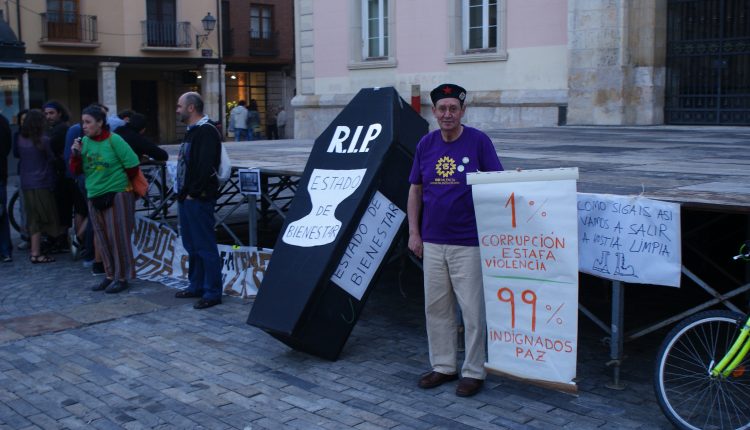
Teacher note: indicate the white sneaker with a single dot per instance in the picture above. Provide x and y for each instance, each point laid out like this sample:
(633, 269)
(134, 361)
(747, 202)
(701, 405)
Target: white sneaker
(23, 245)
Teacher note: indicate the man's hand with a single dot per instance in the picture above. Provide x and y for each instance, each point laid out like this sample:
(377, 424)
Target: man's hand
(416, 245)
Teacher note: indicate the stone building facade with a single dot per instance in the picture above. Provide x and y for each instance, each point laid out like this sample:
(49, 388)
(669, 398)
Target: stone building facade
(545, 62)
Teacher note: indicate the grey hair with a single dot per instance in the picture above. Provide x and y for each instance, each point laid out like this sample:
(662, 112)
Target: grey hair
(193, 98)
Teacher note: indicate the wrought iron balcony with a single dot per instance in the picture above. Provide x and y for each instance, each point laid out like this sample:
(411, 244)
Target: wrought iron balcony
(264, 43)
(69, 28)
(166, 34)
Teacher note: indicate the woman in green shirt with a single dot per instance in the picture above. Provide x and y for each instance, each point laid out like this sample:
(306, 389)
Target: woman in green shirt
(109, 165)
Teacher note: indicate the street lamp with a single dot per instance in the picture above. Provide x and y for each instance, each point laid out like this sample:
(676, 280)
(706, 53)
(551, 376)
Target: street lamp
(209, 23)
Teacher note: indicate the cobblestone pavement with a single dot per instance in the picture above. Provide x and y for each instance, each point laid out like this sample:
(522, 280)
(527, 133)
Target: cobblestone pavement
(73, 358)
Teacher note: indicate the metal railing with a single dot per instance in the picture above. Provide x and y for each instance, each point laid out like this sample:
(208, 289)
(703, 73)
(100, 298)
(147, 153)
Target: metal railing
(69, 27)
(264, 43)
(166, 34)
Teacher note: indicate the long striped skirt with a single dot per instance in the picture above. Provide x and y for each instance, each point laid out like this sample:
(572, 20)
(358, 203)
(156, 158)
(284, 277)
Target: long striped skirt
(113, 228)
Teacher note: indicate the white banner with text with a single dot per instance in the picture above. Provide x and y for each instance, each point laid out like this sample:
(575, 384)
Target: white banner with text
(630, 239)
(528, 243)
(160, 257)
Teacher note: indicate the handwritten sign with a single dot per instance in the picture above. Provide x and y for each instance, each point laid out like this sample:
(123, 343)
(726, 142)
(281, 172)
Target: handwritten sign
(368, 245)
(630, 239)
(529, 249)
(160, 257)
(327, 188)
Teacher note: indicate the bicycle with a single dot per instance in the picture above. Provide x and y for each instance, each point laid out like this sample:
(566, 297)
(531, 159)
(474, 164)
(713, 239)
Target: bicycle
(156, 202)
(702, 372)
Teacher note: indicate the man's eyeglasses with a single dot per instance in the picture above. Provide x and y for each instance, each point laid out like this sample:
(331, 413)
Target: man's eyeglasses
(453, 109)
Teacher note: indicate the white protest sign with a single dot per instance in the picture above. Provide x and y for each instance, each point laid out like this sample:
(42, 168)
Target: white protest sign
(160, 257)
(327, 188)
(630, 239)
(368, 245)
(528, 243)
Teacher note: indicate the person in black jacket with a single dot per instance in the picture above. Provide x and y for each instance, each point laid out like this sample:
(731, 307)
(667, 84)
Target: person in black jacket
(197, 186)
(57, 120)
(132, 132)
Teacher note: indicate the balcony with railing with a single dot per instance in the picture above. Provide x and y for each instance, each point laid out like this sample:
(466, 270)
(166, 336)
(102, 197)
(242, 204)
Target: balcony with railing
(63, 29)
(264, 43)
(166, 35)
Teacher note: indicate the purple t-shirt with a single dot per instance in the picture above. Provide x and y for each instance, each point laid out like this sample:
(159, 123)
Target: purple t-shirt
(36, 170)
(440, 167)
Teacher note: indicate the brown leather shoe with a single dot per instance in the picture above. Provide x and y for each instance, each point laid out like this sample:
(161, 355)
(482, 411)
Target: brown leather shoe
(434, 379)
(467, 387)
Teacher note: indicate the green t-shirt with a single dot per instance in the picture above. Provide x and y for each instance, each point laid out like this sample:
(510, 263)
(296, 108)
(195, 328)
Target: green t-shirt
(104, 165)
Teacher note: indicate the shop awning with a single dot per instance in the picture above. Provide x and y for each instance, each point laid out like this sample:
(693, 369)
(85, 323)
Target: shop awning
(5, 65)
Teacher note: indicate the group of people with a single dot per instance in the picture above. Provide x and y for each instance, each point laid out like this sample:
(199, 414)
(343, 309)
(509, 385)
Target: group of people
(442, 227)
(88, 169)
(77, 178)
(244, 121)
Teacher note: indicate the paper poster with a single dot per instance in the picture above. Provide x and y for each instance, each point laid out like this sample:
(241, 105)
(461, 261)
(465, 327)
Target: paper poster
(629, 238)
(528, 243)
(327, 188)
(370, 242)
(160, 257)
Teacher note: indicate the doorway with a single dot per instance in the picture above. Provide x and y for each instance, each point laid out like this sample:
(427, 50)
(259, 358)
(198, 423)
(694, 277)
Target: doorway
(708, 62)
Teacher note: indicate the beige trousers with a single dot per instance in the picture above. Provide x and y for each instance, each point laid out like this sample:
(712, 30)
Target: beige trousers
(451, 273)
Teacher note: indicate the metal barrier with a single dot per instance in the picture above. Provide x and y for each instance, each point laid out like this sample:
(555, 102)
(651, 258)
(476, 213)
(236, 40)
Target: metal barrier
(277, 192)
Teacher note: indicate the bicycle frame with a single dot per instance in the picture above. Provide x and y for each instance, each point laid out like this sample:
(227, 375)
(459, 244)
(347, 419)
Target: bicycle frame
(732, 359)
(741, 345)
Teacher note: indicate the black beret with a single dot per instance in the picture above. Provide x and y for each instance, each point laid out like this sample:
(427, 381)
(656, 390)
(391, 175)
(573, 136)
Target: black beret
(444, 91)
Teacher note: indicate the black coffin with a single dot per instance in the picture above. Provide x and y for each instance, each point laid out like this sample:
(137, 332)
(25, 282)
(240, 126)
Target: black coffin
(353, 189)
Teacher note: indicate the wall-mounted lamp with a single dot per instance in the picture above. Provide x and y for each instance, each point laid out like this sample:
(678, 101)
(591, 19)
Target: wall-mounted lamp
(209, 23)
(233, 76)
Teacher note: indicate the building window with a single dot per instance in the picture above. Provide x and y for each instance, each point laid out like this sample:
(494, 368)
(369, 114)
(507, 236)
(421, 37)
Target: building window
(371, 30)
(375, 28)
(480, 25)
(62, 20)
(62, 11)
(261, 21)
(477, 29)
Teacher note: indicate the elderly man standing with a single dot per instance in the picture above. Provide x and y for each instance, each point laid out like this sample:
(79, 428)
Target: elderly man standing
(198, 189)
(443, 231)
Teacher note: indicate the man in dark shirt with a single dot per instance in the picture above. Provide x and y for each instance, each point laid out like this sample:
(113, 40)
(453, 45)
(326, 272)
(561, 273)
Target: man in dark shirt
(198, 188)
(132, 132)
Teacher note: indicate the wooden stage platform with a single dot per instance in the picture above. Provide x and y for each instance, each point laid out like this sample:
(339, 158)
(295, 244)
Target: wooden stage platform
(701, 167)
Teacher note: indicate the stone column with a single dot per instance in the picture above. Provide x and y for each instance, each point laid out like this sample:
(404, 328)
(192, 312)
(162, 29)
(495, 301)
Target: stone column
(211, 91)
(616, 71)
(107, 76)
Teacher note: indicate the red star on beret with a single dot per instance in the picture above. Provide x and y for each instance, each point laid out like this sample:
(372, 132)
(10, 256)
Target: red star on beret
(447, 90)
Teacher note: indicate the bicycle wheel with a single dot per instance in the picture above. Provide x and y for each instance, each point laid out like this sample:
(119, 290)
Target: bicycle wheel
(687, 393)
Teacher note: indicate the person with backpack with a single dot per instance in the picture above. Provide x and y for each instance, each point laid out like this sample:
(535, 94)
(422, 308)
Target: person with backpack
(197, 184)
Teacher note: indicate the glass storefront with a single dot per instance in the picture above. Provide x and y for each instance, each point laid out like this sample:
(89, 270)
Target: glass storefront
(248, 86)
(10, 91)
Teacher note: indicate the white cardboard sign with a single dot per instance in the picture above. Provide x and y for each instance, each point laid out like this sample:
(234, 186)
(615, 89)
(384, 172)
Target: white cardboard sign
(368, 245)
(629, 238)
(528, 243)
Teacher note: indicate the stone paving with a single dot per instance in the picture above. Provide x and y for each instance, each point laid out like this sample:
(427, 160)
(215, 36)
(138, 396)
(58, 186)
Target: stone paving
(73, 358)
